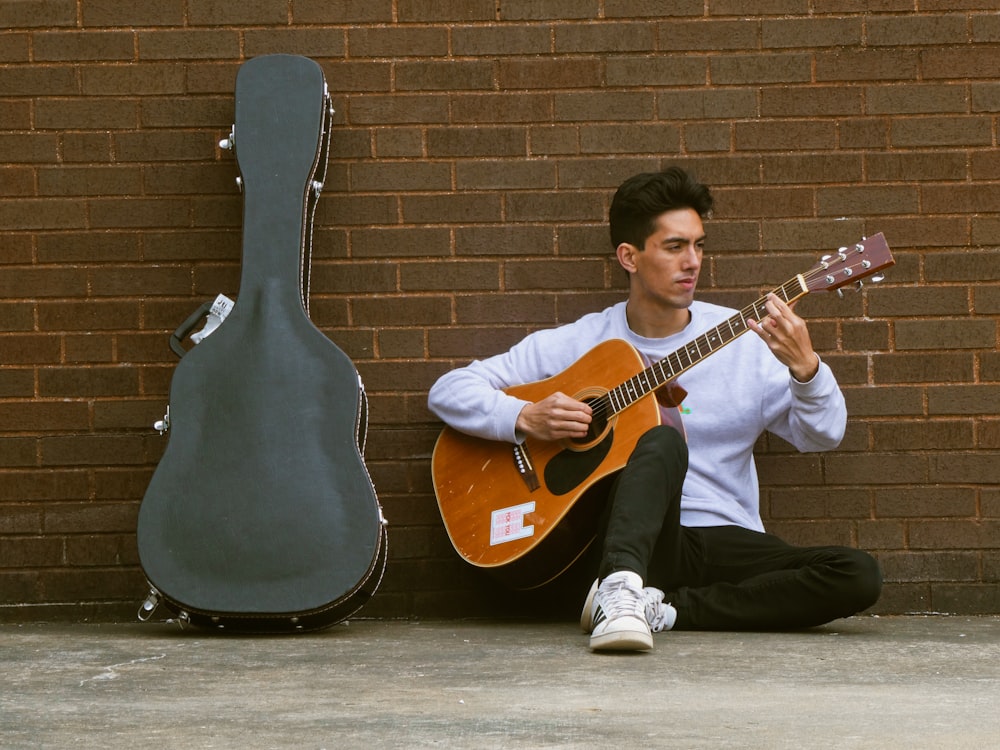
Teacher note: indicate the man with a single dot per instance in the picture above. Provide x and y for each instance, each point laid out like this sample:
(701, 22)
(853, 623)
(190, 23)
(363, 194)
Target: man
(683, 517)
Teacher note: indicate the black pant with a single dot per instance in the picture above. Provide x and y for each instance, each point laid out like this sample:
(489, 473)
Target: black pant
(723, 577)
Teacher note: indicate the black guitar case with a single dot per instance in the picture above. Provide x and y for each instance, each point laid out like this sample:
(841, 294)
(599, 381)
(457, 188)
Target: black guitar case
(261, 515)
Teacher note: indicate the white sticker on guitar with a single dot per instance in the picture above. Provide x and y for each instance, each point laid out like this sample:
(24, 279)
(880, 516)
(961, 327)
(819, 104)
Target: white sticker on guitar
(507, 524)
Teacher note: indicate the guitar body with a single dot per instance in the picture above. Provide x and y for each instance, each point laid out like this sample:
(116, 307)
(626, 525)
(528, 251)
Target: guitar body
(261, 515)
(495, 515)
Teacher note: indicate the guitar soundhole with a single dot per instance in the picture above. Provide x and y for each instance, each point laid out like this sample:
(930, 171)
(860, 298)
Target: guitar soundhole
(598, 424)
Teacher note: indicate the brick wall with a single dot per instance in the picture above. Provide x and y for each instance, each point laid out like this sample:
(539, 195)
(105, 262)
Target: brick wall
(476, 147)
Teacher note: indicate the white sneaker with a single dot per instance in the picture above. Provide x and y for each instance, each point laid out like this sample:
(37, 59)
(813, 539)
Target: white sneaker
(618, 615)
(660, 615)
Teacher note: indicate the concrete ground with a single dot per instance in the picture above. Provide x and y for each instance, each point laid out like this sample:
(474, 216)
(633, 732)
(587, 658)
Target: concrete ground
(866, 682)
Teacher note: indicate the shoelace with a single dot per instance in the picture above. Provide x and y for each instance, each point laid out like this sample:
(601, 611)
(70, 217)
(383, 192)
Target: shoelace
(622, 599)
(656, 611)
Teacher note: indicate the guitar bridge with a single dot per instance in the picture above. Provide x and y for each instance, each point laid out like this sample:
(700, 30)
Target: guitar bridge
(524, 466)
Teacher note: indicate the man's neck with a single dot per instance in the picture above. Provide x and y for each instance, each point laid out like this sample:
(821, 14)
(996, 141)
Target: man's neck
(657, 323)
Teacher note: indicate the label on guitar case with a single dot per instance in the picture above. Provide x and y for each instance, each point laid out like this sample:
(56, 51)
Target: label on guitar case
(507, 524)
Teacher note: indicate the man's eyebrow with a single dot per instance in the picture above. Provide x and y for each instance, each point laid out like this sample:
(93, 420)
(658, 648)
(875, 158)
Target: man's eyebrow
(672, 240)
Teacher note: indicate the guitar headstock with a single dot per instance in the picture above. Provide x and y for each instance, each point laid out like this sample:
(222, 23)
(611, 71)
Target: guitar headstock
(850, 265)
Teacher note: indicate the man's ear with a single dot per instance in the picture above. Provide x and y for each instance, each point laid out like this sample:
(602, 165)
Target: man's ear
(626, 256)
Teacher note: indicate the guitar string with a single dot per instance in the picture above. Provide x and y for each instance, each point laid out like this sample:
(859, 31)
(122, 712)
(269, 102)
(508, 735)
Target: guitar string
(627, 393)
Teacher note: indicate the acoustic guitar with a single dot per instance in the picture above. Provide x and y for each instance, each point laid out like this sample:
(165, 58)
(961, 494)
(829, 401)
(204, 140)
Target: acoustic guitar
(527, 511)
(261, 515)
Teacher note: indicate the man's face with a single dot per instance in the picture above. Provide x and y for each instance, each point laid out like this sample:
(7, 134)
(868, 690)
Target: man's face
(665, 272)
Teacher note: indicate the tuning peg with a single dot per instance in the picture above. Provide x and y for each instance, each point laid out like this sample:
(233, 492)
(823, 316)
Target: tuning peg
(840, 293)
(229, 141)
(877, 278)
(859, 284)
(239, 184)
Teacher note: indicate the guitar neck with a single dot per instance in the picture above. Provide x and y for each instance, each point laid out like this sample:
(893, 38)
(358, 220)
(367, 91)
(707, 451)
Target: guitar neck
(683, 359)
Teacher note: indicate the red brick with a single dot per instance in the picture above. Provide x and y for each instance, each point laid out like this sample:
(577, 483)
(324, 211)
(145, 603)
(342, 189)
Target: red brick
(810, 101)
(867, 65)
(247, 13)
(538, 10)
(962, 399)
(510, 39)
(510, 240)
(625, 106)
(924, 502)
(661, 70)
(975, 266)
(444, 76)
(449, 11)
(632, 9)
(129, 13)
(75, 382)
(438, 275)
(945, 334)
(942, 131)
(25, 486)
(810, 33)
(917, 30)
(779, 135)
(784, 169)
(604, 37)
(345, 11)
(553, 274)
(538, 309)
(663, 138)
(17, 181)
(553, 206)
(940, 534)
(917, 98)
(761, 68)
(397, 41)
(85, 45)
(85, 180)
(38, 13)
(923, 566)
(452, 208)
(957, 62)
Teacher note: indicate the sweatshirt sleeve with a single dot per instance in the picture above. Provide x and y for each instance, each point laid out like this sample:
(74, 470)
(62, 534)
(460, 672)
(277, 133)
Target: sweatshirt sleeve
(471, 400)
(815, 413)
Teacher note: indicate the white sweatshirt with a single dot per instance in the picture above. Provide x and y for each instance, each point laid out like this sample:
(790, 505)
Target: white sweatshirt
(734, 395)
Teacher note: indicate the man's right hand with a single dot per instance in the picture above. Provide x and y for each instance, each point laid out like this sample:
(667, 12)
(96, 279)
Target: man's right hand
(553, 418)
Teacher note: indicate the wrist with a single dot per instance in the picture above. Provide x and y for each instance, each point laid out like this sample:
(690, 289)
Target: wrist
(804, 374)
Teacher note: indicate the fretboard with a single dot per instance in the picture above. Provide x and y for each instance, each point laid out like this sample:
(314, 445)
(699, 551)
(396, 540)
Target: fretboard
(670, 367)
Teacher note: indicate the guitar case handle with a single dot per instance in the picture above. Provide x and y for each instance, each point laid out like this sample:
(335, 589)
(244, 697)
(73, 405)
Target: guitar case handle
(186, 327)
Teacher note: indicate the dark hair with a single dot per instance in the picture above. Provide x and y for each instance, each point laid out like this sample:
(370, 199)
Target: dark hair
(642, 198)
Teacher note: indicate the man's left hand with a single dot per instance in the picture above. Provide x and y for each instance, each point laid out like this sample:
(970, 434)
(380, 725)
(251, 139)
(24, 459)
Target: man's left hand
(787, 337)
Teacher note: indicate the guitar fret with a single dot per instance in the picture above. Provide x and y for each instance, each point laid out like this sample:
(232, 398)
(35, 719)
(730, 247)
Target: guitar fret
(643, 386)
(613, 400)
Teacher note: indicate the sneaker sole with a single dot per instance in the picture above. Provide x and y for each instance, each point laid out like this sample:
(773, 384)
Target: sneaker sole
(621, 640)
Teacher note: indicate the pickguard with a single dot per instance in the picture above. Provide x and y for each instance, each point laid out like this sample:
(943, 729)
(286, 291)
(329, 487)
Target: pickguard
(568, 469)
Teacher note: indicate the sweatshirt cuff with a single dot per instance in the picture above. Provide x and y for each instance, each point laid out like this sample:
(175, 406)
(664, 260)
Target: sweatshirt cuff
(819, 384)
(506, 420)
